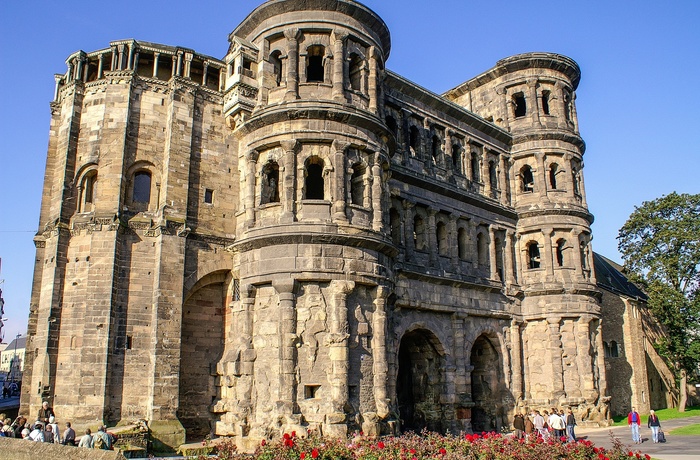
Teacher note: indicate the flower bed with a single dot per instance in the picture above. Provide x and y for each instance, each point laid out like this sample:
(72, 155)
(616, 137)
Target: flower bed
(484, 446)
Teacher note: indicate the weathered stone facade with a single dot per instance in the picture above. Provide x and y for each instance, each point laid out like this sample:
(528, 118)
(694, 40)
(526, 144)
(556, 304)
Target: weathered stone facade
(295, 237)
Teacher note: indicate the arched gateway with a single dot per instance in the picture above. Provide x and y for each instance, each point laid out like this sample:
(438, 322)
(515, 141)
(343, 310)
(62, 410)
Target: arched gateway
(489, 392)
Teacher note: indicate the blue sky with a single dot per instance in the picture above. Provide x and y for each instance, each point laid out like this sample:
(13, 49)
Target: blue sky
(638, 101)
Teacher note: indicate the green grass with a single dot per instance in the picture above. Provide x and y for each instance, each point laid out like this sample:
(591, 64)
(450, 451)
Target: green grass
(688, 430)
(663, 414)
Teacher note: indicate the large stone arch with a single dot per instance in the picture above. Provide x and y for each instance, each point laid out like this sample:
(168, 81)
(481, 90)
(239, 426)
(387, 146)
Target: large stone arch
(488, 382)
(421, 380)
(202, 340)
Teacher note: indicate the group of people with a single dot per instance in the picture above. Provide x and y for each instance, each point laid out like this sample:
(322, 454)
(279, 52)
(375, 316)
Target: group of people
(45, 429)
(546, 425)
(634, 420)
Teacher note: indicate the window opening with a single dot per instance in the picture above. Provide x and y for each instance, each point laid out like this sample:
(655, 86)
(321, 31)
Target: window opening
(553, 176)
(89, 190)
(520, 109)
(493, 175)
(236, 290)
(356, 72)
(310, 391)
(436, 150)
(142, 187)
(314, 179)
(357, 185)
(392, 125)
(474, 165)
(395, 222)
(528, 180)
(584, 264)
(314, 67)
(560, 252)
(276, 67)
(462, 243)
(419, 233)
(533, 252)
(456, 158)
(414, 140)
(482, 247)
(499, 259)
(567, 106)
(208, 196)
(270, 184)
(545, 102)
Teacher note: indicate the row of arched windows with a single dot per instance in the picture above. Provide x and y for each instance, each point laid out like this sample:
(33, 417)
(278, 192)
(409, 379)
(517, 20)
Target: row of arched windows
(138, 197)
(315, 66)
(562, 254)
(555, 179)
(519, 104)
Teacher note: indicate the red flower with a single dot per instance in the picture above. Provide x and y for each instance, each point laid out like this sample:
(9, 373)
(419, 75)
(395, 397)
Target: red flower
(286, 436)
(647, 456)
(314, 453)
(262, 443)
(412, 451)
(380, 445)
(302, 456)
(442, 451)
(294, 434)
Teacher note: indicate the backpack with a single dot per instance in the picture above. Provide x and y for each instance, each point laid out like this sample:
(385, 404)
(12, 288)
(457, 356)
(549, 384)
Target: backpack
(99, 442)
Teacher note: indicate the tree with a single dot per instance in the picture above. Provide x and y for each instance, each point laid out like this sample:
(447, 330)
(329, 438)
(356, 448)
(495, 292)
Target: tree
(660, 243)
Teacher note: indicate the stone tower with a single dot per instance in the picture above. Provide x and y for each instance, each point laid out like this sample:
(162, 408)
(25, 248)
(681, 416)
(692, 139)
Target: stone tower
(293, 237)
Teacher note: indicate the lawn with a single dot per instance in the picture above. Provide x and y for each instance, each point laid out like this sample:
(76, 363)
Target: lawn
(663, 414)
(689, 430)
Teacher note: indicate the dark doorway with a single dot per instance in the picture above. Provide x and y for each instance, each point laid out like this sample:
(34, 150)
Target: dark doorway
(488, 390)
(420, 382)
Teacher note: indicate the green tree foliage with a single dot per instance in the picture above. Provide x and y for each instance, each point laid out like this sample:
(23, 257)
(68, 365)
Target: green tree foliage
(660, 243)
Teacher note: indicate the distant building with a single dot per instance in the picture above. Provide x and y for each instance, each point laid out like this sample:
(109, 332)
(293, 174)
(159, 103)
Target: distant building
(12, 358)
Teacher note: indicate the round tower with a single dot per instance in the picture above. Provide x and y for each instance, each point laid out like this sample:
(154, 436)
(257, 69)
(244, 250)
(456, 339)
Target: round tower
(560, 310)
(311, 258)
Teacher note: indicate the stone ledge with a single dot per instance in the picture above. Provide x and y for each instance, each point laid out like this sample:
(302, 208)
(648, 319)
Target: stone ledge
(20, 449)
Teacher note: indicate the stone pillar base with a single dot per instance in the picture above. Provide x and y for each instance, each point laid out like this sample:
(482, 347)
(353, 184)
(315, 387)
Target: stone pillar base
(336, 430)
(166, 435)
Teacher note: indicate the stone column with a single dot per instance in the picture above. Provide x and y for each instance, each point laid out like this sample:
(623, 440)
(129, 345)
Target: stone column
(288, 181)
(205, 67)
(408, 228)
(576, 252)
(520, 254)
(508, 268)
(338, 353)
(178, 64)
(516, 360)
(527, 388)
(57, 79)
(251, 170)
(584, 359)
(561, 104)
(130, 62)
(173, 71)
(599, 361)
(287, 349)
(245, 355)
(115, 57)
(373, 93)
(547, 261)
(534, 106)
(120, 57)
(136, 61)
(338, 38)
(292, 36)
(540, 176)
(188, 64)
(504, 181)
(555, 352)
(379, 342)
(377, 185)
(340, 190)
(493, 269)
(100, 64)
(474, 249)
(433, 255)
(156, 56)
(503, 103)
(79, 70)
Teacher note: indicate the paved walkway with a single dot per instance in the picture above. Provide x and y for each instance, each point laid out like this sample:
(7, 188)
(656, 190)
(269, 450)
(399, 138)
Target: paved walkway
(675, 447)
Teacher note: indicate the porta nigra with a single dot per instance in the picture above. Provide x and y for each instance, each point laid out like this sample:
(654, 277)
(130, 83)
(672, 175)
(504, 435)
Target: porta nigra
(293, 237)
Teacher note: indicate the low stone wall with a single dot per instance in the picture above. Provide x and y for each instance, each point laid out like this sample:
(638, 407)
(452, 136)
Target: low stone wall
(19, 449)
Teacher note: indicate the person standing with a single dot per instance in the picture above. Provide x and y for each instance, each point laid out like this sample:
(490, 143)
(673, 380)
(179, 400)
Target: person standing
(529, 426)
(539, 423)
(570, 424)
(557, 424)
(69, 435)
(654, 424)
(634, 421)
(55, 430)
(519, 425)
(45, 413)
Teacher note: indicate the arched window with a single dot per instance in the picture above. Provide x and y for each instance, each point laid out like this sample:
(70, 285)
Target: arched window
(395, 223)
(519, 107)
(441, 234)
(567, 106)
(576, 179)
(270, 190)
(436, 149)
(276, 67)
(314, 179)
(314, 64)
(533, 255)
(527, 179)
(356, 64)
(545, 102)
(457, 158)
(474, 166)
(584, 255)
(392, 125)
(493, 175)
(561, 246)
(414, 141)
(499, 259)
(419, 233)
(88, 191)
(553, 169)
(462, 243)
(357, 185)
(142, 187)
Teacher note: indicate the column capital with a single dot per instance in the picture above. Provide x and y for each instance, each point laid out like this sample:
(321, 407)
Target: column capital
(285, 286)
(340, 146)
(340, 35)
(291, 33)
(408, 204)
(289, 145)
(252, 155)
